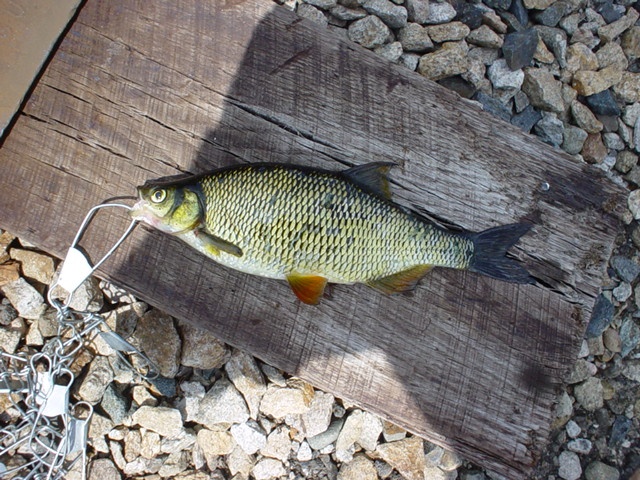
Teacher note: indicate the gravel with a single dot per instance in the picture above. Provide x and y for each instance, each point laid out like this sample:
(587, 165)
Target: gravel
(566, 71)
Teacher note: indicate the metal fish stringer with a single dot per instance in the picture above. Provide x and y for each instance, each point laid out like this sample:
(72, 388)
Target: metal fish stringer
(52, 431)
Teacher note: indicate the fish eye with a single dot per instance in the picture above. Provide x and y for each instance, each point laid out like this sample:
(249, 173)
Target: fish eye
(158, 196)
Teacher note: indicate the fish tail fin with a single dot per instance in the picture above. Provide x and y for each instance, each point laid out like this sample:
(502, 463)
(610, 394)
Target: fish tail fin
(490, 249)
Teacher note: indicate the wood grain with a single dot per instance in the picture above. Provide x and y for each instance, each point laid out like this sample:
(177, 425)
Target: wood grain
(140, 90)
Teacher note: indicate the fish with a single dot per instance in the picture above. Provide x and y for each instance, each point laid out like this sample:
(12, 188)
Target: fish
(312, 226)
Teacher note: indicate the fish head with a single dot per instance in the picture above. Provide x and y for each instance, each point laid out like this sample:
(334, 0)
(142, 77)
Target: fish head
(171, 209)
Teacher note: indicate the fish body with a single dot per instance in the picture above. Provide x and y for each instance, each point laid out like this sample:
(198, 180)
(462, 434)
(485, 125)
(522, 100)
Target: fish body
(312, 226)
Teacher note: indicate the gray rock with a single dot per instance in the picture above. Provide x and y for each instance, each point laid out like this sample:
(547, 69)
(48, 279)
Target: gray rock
(249, 436)
(440, 13)
(330, 435)
(627, 269)
(601, 317)
(164, 386)
(7, 312)
(165, 421)
(613, 141)
(159, 340)
(527, 119)
(589, 394)
(96, 381)
(636, 136)
(556, 40)
(103, 469)
(174, 464)
(318, 418)
(601, 471)
(552, 15)
(518, 48)
(563, 410)
(449, 60)
(115, 404)
(470, 14)
(581, 446)
(629, 334)
(201, 349)
(631, 114)
(603, 103)
(348, 14)
(222, 405)
(622, 292)
(369, 31)
(322, 4)
(498, 4)
(10, 335)
(504, 77)
(88, 296)
(390, 51)
(418, 10)
(573, 139)
(550, 129)
(569, 466)
(459, 85)
(24, 298)
(415, 38)
(584, 118)
(581, 371)
(619, 430)
(625, 161)
(395, 16)
(312, 13)
(493, 106)
(543, 90)
(485, 37)
(410, 60)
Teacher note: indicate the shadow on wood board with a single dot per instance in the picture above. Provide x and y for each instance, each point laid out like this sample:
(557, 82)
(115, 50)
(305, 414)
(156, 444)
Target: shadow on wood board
(140, 90)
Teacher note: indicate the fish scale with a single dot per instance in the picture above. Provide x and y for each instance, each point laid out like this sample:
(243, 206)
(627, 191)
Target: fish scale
(313, 226)
(283, 221)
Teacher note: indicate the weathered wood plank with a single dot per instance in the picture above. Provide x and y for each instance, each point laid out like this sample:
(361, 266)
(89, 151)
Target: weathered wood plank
(144, 89)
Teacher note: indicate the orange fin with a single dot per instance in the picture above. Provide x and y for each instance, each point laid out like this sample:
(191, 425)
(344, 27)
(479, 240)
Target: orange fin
(308, 288)
(402, 281)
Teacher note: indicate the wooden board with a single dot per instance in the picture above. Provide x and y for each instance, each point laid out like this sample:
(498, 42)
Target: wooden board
(29, 29)
(142, 89)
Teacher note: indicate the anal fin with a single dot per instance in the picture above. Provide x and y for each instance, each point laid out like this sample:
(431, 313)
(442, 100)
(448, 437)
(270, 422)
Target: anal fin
(308, 288)
(403, 281)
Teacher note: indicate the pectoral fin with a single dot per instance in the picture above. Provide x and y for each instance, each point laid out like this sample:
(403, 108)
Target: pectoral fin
(308, 288)
(402, 281)
(215, 245)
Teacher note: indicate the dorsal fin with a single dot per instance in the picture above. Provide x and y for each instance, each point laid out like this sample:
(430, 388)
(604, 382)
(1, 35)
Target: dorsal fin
(373, 177)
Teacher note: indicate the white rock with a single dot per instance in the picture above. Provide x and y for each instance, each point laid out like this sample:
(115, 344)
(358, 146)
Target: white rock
(192, 395)
(370, 431)
(132, 443)
(24, 298)
(440, 13)
(349, 435)
(150, 446)
(569, 466)
(622, 292)
(222, 405)
(245, 374)
(162, 420)
(304, 452)
(317, 419)
(99, 426)
(278, 444)
(103, 469)
(34, 265)
(174, 464)
(280, 402)
(267, 469)
(573, 429)
(634, 204)
(214, 444)
(239, 462)
(502, 76)
(581, 446)
(201, 349)
(183, 441)
(249, 436)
